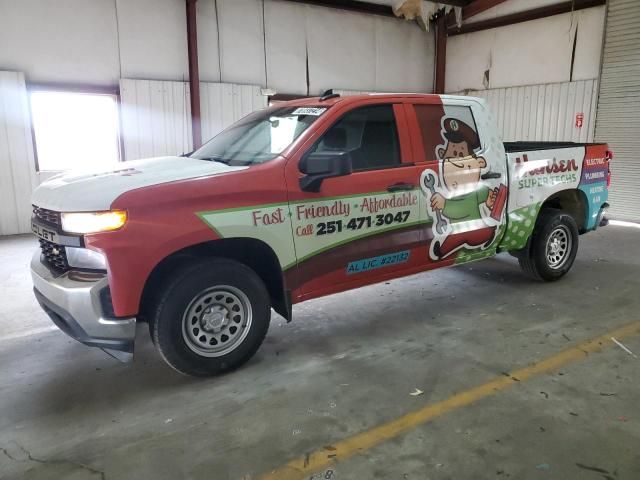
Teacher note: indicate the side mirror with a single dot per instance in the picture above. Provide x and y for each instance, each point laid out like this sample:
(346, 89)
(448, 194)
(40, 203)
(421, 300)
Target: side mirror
(320, 165)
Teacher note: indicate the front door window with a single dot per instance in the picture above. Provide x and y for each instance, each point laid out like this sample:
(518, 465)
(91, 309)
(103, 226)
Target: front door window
(370, 134)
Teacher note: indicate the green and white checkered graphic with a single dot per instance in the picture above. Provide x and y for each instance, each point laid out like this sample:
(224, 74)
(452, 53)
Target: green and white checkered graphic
(520, 226)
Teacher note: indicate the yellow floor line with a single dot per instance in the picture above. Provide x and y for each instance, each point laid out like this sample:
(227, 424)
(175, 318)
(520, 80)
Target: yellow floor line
(301, 468)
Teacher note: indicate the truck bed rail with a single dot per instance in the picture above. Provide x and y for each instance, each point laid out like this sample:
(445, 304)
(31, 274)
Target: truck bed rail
(526, 145)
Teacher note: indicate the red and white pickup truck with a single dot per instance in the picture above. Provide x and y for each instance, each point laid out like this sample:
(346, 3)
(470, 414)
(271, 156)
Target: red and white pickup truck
(296, 201)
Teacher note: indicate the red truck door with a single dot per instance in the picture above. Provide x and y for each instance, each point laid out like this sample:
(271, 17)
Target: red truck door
(361, 227)
(465, 180)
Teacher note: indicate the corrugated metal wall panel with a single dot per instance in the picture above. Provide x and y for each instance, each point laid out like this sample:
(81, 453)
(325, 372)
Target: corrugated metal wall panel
(225, 103)
(543, 112)
(155, 118)
(618, 117)
(156, 115)
(17, 166)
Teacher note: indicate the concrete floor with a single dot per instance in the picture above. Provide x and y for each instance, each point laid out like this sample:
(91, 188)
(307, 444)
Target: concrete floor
(347, 363)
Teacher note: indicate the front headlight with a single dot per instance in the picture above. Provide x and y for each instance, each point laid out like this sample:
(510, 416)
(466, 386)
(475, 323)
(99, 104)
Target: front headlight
(93, 222)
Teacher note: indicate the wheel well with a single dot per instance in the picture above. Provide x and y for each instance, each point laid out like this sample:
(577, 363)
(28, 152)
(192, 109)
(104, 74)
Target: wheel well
(574, 202)
(255, 254)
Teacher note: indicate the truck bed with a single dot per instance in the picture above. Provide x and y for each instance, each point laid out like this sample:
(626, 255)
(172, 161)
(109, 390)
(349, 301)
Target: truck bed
(524, 146)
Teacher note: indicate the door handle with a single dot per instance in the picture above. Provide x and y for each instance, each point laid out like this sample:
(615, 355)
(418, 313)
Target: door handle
(400, 187)
(488, 175)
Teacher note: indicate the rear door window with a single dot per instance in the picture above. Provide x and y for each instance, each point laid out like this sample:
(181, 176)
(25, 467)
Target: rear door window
(430, 122)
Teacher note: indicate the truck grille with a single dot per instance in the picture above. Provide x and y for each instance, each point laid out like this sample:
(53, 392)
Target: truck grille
(47, 216)
(54, 255)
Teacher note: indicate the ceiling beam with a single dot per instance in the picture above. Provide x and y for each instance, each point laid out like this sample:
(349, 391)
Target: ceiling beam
(479, 6)
(351, 5)
(472, 9)
(455, 3)
(527, 15)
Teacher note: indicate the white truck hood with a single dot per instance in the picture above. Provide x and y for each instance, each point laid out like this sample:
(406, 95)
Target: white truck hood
(96, 189)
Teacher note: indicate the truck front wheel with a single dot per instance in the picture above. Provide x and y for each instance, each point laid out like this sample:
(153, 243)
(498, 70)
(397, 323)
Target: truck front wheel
(211, 317)
(553, 248)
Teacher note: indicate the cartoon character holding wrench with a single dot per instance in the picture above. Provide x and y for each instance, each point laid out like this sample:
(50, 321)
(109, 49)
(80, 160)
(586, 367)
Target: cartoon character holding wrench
(456, 200)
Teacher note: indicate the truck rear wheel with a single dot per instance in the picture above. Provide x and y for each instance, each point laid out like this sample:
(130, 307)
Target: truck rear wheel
(553, 248)
(211, 318)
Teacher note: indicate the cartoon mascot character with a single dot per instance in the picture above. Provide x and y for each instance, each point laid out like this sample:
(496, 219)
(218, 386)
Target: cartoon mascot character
(460, 202)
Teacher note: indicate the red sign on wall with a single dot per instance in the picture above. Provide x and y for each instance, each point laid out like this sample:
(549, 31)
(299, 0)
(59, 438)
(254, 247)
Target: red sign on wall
(579, 119)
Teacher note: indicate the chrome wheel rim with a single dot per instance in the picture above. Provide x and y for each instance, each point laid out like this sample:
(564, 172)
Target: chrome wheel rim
(559, 245)
(216, 321)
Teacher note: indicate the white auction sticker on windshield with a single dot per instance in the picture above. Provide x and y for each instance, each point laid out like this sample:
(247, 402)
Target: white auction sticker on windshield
(315, 111)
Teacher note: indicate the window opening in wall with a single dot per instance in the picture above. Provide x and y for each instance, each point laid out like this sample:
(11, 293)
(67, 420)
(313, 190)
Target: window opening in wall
(75, 130)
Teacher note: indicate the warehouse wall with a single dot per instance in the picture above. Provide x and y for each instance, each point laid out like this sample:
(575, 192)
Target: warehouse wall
(240, 41)
(60, 41)
(544, 112)
(529, 53)
(342, 49)
(17, 175)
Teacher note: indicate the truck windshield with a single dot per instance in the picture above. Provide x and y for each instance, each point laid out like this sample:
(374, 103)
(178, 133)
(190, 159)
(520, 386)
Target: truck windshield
(260, 136)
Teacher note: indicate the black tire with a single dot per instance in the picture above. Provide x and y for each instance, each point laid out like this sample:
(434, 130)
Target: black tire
(170, 328)
(535, 261)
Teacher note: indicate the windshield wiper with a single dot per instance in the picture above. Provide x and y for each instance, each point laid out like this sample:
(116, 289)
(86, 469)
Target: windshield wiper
(214, 158)
(234, 162)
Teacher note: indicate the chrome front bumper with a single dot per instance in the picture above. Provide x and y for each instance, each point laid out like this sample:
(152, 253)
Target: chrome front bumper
(75, 304)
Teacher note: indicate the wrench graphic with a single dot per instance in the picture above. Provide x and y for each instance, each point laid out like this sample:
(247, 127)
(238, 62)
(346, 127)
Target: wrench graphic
(430, 182)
